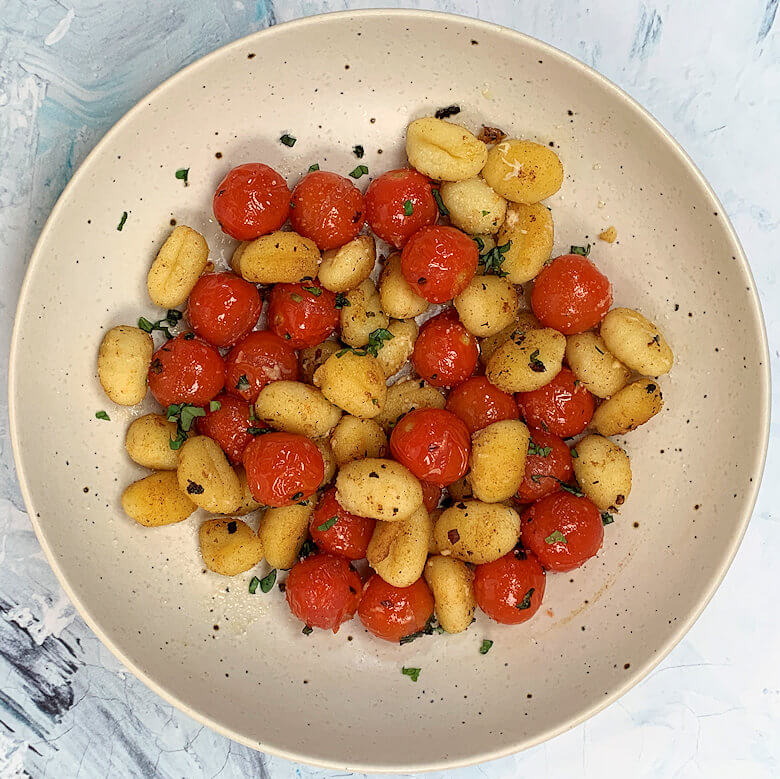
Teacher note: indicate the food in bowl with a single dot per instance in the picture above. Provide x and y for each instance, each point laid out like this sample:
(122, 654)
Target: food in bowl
(428, 414)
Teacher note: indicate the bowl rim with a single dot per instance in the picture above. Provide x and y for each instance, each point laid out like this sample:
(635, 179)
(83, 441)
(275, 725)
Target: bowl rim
(757, 467)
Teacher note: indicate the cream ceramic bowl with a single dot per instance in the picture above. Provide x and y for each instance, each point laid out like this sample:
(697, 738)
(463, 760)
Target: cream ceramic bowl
(238, 662)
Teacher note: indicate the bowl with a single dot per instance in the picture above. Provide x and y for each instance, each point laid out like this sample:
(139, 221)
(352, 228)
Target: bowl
(238, 662)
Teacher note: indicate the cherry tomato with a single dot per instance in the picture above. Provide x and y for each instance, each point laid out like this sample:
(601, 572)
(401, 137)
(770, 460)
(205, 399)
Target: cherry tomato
(223, 308)
(327, 208)
(251, 200)
(445, 353)
(282, 468)
(479, 403)
(431, 495)
(571, 295)
(433, 444)
(323, 591)
(394, 612)
(438, 262)
(261, 357)
(228, 426)
(398, 204)
(547, 465)
(563, 407)
(186, 370)
(303, 314)
(510, 589)
(562, 530)
(348, 536)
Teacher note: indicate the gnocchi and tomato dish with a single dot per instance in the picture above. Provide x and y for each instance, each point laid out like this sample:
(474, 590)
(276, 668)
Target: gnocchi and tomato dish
(396, 395)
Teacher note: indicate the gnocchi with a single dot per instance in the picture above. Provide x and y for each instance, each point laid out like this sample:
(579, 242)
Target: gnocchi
(178, 265)
(527, 360)
(363, 315)
(205, 475)
(594, 365)
(603, 471)
(452, 584)
(397, 298)
(477, 532)
(349, 266)
(282, 532)
(497, 463)
(353, 382)
(474, 207)
(157, 500)
(148, 442)
(378, 489)
(229, 546)
(295, 407)
(444, 151)
(628, 408)
(277, 258)
(356, 439)
(523, 171)
(636, 342)
(123, 362)
(487, 305)
(527, 234)
(398, 550)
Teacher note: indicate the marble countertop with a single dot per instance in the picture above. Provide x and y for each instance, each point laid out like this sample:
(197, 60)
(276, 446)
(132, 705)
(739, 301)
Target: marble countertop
(710, 71)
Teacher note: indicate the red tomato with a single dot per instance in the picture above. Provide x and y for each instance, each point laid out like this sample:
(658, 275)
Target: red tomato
(251, 200)
(479, 403)
(261, 357)
(282, 468)
(433, 444)
(445, 353)
(562, 530)
(388, 199)
(571, 295)
(348, 536)
(439, 262)
(223, 308)
(394, 612)
(545, 469)
(228, 426)
(186, 370)
(431, 495)
(327, 208)
(323, 591)
(300, 316)
(563, 407)
(510, 589)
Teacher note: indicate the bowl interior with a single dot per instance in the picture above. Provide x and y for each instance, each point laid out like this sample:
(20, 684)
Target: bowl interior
(238, 661)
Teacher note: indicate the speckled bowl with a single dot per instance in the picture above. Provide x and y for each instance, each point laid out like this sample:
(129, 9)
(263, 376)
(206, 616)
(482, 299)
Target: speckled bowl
(238, 662)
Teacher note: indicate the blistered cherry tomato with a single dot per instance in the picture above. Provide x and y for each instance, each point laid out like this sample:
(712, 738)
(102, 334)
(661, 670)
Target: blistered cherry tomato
(228, 425)
(261, 357)
(445, 353)
(563, 407)
(510, 589)
(323, 591)
(562, 530)
(251, 200)
(186, 370)
(438, 262)
(547, 464)
(327, 208)
(282, 468)
(431, 495)
(394, 612)
(571, 295)
(303, 314)
(433, 444)
(398, 204)
(347, 536)
(479, 403)
(223, 308)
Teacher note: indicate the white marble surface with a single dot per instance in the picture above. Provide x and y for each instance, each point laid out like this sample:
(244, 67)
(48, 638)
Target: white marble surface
(708, 69)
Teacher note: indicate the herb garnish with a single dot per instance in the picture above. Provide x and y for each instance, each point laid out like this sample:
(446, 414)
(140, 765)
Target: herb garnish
(607, 518)
(525, 603)
(183, 414)
(358, 151)
(583, 250)
(431, 627)
(183, 174)
(556, 537)
(534, 363)
(102, 415)
(164, 325)
(485, 213)
(574, 453)
(342, 301)
(259, 430)
(570, 489)
(480, 243)
(254, 582)
(541, 451)
(122, 221)
(288, 140)
(376, 339)
(408, 207)
(316, 291)
(307, 630)
(494, 259)
(243, 383)
(412, 673)
(308, 548)
(360, 170)
(486, 644)
(440, 203)
(214, 405)
(268, 581)
(328, 524)
(315, 166)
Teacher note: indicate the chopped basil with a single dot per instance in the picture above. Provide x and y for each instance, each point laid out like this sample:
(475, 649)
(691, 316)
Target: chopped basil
(556, 537)
(268, 581)
(316, 291)
(486, 644)
(574, 453)
(253, 583)
(537, 477)
(243, 383)
(408, 207)
(431, 627)
(288, 140)
(569, 488)
(494, 259)
(297, 496)
(534, 363)
(122, 221)
(252, 415)
(358, 151)
(525, 603)
(440, 203)
(184, 415)
(541, 451)
(307, 630)
(480, 243)
(295, 297)
(583, 250)
(607, 518)
(485, 213)
(376, 339)
(259, 430)
(314, 167)
(328, 524)
(214, 405)
(102, 415)
(412, 673)
(308, 548)
(164, 325)
(183, 174)
(360, 170)
(342, 301)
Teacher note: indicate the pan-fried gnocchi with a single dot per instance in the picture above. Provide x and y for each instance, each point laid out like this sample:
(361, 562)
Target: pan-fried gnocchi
(300, 426)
